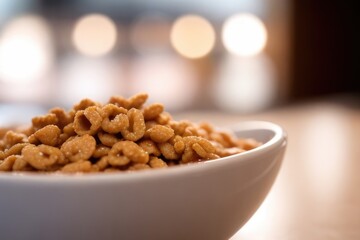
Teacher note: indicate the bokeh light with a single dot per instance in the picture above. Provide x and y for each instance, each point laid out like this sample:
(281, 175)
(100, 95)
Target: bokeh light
(26, 51)
(167, 79)
(150, 33)
(94, 35)
(244, 34)
(245, 84)
(82, 77)
(192, 36)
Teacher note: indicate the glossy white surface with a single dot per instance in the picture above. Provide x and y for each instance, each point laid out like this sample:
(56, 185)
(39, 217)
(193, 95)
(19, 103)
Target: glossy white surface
(209, 200)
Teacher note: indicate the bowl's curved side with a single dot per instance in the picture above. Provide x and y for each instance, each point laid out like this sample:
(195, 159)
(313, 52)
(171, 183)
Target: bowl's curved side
(195, 202)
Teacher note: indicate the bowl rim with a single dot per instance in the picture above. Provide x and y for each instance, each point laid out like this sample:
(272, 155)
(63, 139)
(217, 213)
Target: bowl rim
(277, 141)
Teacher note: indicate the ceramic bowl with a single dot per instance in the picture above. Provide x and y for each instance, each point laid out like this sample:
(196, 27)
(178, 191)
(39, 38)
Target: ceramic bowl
(208, 200)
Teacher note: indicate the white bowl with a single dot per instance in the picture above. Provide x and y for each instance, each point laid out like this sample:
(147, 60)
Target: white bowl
(209, 200)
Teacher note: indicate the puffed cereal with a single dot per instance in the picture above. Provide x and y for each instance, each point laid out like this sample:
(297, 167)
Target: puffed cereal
(119, 136)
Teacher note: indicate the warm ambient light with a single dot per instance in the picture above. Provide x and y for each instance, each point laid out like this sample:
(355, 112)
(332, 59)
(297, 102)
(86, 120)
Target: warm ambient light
(192, 36)
(150, 33)
(244, 34)
(94, 35)
(25, 50)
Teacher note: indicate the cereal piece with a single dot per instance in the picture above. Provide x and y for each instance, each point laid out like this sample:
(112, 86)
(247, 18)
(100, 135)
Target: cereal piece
(160, 134)
(88, 121)
(136, 128)
(100, 151)
(15, 149)
(48, 135)
(42, 121)
(108, 139)
(42, 157)
(168, 151)
(163, 118)
(111, 170)
(116, 161)
(179, 144)
(150, 147)
(102, 163)
(21, 165)
(7, 164)
(148, 125)
(79, 166)
(137, 100)
(247, 144)
(115, 119)
(153, 111)
(2, 155)
(179, 127)
(83, 104)
(138, 166)
(63, 118)
(130, 150)
(11, 138)
(69, 129)
(224, 152)
(197, 148)
(157, 163)
(79, 148)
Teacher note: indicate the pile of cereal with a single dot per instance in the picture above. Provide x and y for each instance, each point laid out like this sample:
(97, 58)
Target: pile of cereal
(121, 135)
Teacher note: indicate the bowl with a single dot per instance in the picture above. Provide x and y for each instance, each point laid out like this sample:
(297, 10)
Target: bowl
(207, 200)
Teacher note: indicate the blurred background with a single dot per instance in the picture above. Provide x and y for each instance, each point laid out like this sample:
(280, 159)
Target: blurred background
(237, 56)
(291, 62)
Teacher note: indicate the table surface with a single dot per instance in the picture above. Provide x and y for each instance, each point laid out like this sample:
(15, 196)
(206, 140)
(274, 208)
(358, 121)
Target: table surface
(317, 192)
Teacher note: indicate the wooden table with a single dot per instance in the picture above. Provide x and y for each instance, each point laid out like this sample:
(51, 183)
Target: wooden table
(317, 192)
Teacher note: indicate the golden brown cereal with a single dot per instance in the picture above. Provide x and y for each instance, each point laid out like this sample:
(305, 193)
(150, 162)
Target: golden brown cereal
(15, 149)
(42, 157)
(138, 166)
(153, 111)
(130, 150)
(79, 148)
(48, 135)
(107, 139)
(150, 147)
(42, 121)
(163, 118)
(179, 144)
(121, 135)
(157, 163)
(137, 100)
(119, 101)
(136, 128)
(115, 119)
(79, 166)
(11, 138)
(160, 134)
(7, 164)
(83, 104)
(88, 121)
(63, 118)
(100, 151)
(168, 151)
(21, 165)
(101, 164)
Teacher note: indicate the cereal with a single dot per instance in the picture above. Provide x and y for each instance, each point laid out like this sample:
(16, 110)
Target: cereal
(121, 135)
(88, 121)
(48, 135)
(153, 111)
(160, 133)
(42, 157)
(79, 148)
(136, 128)
(115, 119)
